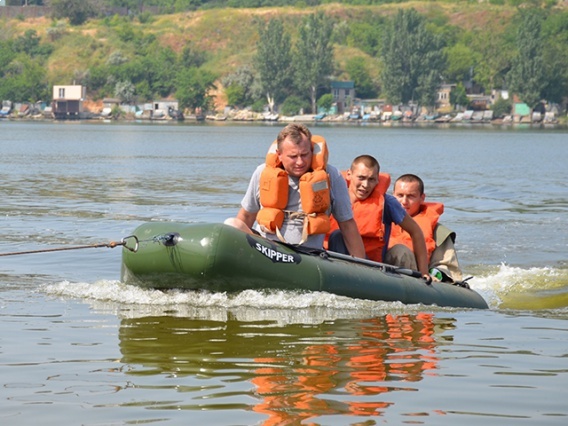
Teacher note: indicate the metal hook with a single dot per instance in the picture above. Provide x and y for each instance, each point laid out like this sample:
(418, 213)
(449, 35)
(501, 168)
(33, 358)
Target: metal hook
(132, 249)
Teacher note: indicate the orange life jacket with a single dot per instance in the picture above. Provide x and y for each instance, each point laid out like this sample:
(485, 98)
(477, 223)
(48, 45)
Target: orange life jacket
(427, 218)
(368, 215)
(315, 196)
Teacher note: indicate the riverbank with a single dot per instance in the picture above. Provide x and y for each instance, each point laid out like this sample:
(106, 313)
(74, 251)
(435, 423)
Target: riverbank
(344, 119)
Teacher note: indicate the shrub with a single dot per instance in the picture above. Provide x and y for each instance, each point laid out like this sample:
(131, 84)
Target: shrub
(501, 107)
(294, 105)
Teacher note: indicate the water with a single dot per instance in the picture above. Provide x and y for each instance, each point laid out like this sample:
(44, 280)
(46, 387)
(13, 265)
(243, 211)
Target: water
(79, 347)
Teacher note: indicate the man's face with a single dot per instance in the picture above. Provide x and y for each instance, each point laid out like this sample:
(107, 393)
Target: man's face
(296, 158)
(363, 181)
(408, 195)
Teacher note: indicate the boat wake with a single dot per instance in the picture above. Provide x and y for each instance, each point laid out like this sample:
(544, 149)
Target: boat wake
(504, 287)
(509, 287)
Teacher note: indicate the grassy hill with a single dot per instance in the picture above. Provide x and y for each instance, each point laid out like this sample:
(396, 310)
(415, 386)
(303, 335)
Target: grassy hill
(229, 36)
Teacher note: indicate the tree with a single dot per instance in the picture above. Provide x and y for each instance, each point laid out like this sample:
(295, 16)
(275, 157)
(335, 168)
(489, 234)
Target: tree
(325, 102)
(494, 51)
(358, 72)
(555, 55)
(30, 44)
(293, 105)
(193, 86)
(77, 11)
(461, 60)
(413, 60)
(526, 77)
(313, 55)
(458, 96)
(366, 36)
(24, 80)
(273, 60)
(501, 107)
(191, 57)
(124, 90)
(243, 86)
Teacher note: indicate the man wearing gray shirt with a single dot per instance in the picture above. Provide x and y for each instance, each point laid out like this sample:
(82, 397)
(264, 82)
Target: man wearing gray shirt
(295, 152)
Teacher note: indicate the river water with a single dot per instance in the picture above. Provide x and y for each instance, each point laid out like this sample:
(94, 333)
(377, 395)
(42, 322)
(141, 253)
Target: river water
(79, 347)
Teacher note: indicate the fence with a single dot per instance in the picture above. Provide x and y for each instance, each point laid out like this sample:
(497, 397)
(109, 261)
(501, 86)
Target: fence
(12, 12)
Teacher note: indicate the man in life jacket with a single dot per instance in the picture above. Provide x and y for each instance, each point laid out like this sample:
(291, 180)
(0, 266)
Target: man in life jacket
(375, 212)
(442, 258)
(291, 195)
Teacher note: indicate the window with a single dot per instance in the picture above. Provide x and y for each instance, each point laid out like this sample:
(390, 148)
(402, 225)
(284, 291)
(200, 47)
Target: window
(61, 92)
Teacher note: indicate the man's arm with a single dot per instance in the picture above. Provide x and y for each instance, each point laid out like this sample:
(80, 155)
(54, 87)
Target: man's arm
(247, 217)
(444, 256)
(353, 239)
(243, 221)
(418, 243)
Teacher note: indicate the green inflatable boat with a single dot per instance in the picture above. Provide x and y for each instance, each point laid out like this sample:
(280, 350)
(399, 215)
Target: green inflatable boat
(220, 258)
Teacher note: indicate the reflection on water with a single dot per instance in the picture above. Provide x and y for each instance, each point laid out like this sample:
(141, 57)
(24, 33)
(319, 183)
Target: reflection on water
(293, 370)
(74, 340)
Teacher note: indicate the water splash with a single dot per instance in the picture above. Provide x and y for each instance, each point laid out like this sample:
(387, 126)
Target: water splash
(503, 287)
(285, 307)
(535, 288)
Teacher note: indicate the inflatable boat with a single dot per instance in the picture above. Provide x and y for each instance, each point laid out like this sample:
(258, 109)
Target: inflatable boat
(220, 258)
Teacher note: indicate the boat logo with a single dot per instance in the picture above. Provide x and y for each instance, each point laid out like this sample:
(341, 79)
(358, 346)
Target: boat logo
(271, 250)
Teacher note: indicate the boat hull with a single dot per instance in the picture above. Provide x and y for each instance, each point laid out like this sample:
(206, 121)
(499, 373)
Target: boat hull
(220, 258)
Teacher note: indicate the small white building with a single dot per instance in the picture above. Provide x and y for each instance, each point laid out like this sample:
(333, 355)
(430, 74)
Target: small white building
(68, 101)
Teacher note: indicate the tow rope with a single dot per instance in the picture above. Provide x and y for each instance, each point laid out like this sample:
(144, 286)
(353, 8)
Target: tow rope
(111, 244)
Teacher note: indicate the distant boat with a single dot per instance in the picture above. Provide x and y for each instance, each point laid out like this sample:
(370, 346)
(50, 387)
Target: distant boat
(6, 108)
(175, 114)
(396, 115)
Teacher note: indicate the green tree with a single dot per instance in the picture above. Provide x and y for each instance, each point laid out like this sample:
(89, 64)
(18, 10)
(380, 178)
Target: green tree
(313, 55)
(501, 107)
(357, 69)
(458, 96)
(194, 86)
(460, 61)
(6, 55)
(273, 60)
(527, 70)
(243, 86)
(293, 105)
(191, 57)
(366, 36)
(325, 102)
(413, 60)
(24, 80)
(77, 11)
(555, 55)
(235, 95)
(494, 50)
(124, 90)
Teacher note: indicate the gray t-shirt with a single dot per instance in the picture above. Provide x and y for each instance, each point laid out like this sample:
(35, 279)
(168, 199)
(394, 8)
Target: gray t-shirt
(292, 228)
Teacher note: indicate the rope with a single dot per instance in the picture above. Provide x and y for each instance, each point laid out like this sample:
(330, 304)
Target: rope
(111, 244)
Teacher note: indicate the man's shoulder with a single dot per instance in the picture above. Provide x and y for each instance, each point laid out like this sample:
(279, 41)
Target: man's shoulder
(332, 169)
(259, 169)
(441, 233)
(391, 201)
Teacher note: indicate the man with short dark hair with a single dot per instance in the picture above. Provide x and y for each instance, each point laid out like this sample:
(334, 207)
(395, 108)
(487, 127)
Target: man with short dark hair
(442, 257)
(375, 212)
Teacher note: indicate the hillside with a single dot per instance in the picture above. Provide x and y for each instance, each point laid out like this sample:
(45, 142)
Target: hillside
(229, 36)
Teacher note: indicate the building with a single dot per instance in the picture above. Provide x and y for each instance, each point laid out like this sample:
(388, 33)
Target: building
(343, 95)
(443, 101)
(68, 101)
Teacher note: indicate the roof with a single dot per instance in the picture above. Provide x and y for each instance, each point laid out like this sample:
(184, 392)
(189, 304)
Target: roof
(342, 85)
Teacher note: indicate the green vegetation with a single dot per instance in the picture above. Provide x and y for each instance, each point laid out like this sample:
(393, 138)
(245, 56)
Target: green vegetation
(413, 58)
(207, 56)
